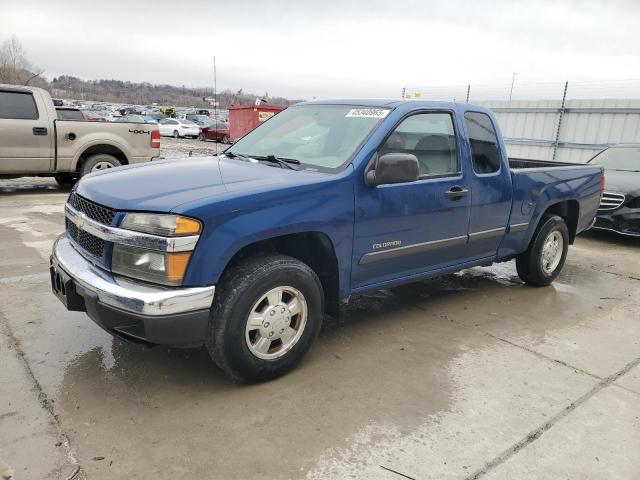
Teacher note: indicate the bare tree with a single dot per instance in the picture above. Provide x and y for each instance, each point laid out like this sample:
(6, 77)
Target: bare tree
(15, 68)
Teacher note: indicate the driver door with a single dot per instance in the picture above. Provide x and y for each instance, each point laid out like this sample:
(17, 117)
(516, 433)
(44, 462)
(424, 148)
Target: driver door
(405, 229)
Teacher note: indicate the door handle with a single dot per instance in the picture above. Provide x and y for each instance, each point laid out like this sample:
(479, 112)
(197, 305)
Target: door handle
(456, 193)
(39, 130)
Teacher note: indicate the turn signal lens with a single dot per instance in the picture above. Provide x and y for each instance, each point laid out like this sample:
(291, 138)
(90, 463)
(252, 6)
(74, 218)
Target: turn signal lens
(177, 266)
(187, 226)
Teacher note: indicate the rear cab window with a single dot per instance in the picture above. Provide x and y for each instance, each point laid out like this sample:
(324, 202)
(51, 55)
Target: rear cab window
(64, 114)
(485, 150)
(18, 106)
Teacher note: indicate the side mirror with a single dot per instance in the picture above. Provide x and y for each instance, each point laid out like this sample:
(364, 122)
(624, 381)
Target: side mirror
(393, 168)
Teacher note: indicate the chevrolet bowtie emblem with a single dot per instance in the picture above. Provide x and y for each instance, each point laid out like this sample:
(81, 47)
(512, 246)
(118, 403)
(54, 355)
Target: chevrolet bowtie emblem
(80, 220)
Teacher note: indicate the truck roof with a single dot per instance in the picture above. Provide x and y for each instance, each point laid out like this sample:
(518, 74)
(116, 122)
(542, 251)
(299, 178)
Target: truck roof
(18, 88)
(388, 103)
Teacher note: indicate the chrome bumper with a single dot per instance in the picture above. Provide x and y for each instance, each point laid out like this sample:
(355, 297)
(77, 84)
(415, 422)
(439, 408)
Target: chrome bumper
(127, 295)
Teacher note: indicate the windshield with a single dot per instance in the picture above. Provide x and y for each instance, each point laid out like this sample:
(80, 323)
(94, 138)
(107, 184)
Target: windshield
(318, 136)
(619, 158)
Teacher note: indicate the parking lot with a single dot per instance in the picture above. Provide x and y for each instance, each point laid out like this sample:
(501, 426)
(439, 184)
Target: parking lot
(473, 375)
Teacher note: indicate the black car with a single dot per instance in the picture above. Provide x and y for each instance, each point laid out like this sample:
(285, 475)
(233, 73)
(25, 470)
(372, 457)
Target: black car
(620, 205)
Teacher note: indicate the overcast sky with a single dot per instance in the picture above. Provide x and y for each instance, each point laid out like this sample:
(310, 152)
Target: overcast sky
(308, 48)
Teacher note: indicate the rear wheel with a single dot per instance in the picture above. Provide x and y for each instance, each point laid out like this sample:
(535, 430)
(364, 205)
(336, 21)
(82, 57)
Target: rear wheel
(98, 162)
(176, 134)
(65, 179)
(547, 252)
(268, 312)
(201, 137)
(225, 139)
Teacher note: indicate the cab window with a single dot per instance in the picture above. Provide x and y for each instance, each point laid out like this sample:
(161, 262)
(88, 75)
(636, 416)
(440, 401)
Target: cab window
(485, 151)
(18, 106)
(431, 138)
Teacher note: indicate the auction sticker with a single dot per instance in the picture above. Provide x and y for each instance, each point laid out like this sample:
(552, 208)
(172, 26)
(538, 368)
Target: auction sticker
(368, 112)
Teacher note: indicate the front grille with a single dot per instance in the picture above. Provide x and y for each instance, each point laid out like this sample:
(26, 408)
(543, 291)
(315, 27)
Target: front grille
(92, 210)
(611, 201)
(90, 243)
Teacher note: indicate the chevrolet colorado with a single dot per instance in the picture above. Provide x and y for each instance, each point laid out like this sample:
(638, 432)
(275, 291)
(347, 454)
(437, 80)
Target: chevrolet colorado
(37, 141)
(244, 252)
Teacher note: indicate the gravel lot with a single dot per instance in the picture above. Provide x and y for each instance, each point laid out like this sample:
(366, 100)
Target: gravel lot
(470, 376)
(169, 148)
(182, 147)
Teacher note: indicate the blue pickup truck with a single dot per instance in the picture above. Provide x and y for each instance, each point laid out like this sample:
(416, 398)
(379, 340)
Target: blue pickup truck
(246, 251)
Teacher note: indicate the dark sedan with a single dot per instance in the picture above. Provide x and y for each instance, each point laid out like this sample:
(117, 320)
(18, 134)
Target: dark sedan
(620, 206)
(217, 131)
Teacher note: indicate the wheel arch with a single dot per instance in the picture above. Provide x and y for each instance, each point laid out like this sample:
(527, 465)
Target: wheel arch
(313, 248)
(569, 211)
(101, 148)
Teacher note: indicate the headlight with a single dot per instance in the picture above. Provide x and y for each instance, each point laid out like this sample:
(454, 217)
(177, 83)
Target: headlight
(155, 266)
(161, 224)
(150, 265)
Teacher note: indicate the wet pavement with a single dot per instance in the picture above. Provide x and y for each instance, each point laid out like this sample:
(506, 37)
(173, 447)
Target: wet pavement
(473, 375)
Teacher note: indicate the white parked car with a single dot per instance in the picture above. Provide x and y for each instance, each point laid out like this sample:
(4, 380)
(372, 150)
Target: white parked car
(172, 127)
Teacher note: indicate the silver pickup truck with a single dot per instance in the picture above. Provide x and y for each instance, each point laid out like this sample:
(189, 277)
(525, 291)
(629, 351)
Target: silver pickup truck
(35, 142)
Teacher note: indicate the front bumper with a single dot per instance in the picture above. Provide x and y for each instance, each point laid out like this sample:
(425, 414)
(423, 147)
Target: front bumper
(132, 310)
(624, 220)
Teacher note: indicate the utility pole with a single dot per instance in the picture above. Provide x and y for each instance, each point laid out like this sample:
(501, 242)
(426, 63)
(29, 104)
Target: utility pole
(468, 92)
(560, 117)
(513, 79)
(215, 90)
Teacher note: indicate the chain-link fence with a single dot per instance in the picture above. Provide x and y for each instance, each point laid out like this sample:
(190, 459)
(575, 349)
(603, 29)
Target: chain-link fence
(565, 121)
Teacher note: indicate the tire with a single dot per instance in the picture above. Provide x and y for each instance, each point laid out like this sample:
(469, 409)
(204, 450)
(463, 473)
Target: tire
(225, 139)
(534, 268)
(176, 134)
(97, 162)
(201, 137)
(65, 179)
(230, 341)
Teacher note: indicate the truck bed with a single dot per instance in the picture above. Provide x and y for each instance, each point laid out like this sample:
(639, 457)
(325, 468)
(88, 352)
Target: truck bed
(538, 183)
(527, 163)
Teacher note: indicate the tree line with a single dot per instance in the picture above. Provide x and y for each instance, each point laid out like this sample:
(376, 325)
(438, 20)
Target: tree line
(16, 69)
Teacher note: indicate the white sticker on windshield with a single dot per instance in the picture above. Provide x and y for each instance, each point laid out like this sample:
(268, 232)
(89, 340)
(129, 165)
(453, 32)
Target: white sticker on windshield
(368, 112)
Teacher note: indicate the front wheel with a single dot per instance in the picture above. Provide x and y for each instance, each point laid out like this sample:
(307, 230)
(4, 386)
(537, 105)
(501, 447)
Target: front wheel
(547, 252)
(267, 313)
(225, 139)
(176, 134)
(201, 137)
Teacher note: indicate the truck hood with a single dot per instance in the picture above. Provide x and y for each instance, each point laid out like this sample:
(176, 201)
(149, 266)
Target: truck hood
(622, 182)
(161, 186)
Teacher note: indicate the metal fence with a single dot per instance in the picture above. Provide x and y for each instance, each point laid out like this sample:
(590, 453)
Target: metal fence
(568, 121)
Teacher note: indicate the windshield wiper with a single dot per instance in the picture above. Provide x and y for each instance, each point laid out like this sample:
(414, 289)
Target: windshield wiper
(237, 155)
(283, 162)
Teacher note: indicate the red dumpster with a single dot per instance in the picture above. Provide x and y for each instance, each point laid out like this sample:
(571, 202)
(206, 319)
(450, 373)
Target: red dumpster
(244, 118)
